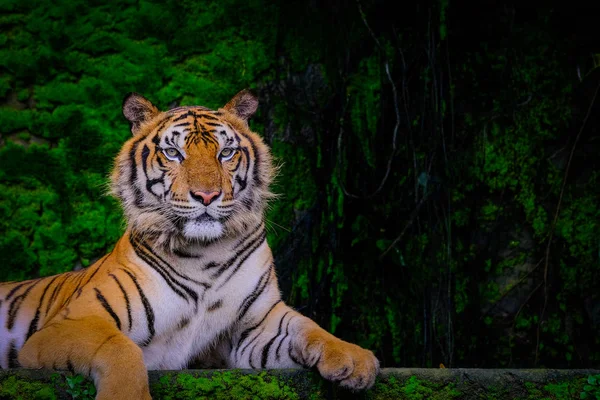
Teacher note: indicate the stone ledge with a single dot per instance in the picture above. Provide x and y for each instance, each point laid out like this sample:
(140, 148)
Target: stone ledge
(392, 384)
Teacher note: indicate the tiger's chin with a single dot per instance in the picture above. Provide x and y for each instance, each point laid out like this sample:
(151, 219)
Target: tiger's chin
(204, 228)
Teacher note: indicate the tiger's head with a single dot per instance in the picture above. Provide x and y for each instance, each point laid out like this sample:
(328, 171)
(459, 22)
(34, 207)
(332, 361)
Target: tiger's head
(192, 174)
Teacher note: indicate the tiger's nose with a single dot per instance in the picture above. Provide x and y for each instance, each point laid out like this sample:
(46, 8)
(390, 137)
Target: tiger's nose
(205, 198)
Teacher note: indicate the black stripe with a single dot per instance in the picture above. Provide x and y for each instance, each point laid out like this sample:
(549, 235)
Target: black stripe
(237, 165)
(161, 166)
(183, 254)
(244, 180)
(210, 265)
(126, 297)
(55, 293)
(248, 331)
(184, 116)
(58, 290)
(238, 139)
(249, 344)
(292, 357)
(241, 182)
(255, 174)
(167, 278)
(244, 241)
(265, 353)
(13, 361)
(156, 260)
(34, 322)
(173, 270)
(250, 355)
(139, 197)
(97, 269)
(215, 306)
(147, 308)
(251, 298)
(159, 126)
(19, 286)
(78, 288)
(107, 307)
(149, 181)
(255, 245)
(15, 305)
(206, 116)
(287, 326)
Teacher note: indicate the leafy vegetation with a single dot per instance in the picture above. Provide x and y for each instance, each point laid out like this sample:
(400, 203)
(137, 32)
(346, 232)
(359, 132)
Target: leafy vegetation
(439, 173)
(224, 385)
(592, 389)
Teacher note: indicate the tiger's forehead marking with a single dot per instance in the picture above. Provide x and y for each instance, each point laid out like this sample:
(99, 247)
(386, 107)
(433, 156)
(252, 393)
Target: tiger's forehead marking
(195, 125)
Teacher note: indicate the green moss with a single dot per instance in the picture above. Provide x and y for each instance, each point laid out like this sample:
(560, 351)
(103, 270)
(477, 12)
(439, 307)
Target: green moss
(412, 389)
(570, 389)
(224, 385)
(21, 389)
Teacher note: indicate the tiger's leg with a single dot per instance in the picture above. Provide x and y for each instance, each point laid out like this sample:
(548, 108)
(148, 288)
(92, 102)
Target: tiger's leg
(93, 347)
(282, 338)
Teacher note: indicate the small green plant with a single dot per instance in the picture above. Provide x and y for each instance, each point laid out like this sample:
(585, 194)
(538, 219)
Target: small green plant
(80, 388)
(592, 389)
(17, 388)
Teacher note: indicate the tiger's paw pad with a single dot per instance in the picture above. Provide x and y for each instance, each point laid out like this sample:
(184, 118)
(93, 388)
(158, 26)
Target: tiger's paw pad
(352, 366)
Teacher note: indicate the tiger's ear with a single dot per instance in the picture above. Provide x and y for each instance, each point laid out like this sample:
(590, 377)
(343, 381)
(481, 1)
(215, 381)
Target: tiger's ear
(243, 104)
(137, 109)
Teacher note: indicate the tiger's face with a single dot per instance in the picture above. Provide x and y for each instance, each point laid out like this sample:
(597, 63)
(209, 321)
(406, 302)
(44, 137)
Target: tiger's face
(190, 173)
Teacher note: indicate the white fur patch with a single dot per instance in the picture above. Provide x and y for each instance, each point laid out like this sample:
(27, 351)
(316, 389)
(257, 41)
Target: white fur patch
(204, 229)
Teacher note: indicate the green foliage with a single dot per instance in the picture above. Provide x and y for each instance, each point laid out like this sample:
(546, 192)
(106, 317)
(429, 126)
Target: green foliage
(592, 389)
(22, 389)
(80, 388)
(223, 385)
(416, 204)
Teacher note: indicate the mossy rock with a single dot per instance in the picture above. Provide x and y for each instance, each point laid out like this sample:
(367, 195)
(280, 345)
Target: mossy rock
(392, 384)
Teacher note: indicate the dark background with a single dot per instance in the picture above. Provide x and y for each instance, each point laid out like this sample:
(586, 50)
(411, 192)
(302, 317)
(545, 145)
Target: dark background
(439, 161)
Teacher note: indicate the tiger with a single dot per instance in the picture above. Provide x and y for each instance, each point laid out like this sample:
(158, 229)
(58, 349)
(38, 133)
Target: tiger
(192, 279)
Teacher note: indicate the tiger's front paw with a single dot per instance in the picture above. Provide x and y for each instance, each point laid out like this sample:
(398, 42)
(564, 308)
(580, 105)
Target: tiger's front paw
(352, 366)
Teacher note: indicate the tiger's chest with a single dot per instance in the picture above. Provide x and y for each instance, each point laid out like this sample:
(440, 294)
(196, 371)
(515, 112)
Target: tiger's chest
(193, 316)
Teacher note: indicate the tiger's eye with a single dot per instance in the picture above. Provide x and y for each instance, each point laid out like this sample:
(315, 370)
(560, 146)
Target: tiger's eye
(172, 153)
(227, 153)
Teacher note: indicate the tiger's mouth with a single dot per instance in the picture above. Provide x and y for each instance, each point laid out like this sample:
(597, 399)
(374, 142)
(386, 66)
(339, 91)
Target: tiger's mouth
(206, 217)
(204, 227)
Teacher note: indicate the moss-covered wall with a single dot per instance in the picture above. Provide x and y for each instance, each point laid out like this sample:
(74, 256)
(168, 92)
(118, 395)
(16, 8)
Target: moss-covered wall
(439, 174)
(393, 384)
